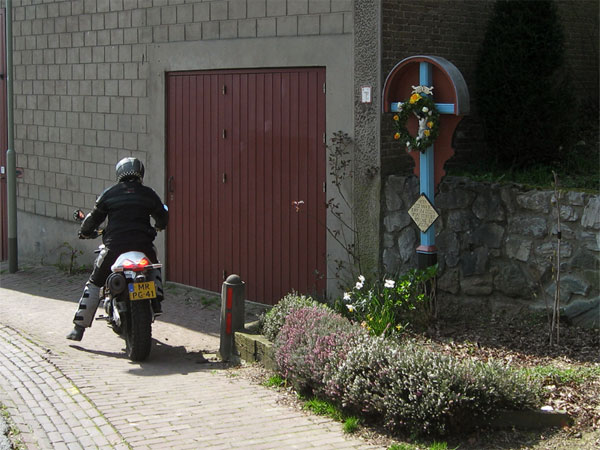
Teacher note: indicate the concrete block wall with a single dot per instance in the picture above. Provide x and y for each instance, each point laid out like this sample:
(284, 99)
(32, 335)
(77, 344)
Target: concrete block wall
(89, 87)
(81, 76)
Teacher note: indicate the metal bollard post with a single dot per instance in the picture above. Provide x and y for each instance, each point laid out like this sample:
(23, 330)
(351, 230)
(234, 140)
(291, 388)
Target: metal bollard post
(232, 313)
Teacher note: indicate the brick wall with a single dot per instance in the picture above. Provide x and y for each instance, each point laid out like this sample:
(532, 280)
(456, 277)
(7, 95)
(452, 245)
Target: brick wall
(81, 79)
(454, 30)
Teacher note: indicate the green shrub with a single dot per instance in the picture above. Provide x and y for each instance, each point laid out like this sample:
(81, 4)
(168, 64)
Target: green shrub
(273, 320)
(413, 388)
(524, 97)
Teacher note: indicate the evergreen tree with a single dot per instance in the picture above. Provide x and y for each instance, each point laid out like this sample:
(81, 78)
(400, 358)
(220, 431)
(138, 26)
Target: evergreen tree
(522, 90)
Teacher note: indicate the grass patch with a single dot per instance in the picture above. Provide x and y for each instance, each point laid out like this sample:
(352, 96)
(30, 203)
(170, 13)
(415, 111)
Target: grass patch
(209, 301)
(579, 173)
(434, 446)
(324, 408)
(562, 376)
(274, 381)
(351, 425)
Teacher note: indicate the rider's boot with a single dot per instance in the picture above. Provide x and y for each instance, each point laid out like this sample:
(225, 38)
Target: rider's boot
(156, 276)
(76, 334)
(86, 311)
(156, 307)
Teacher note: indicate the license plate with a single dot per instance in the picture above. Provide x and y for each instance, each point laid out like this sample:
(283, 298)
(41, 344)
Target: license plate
(142, 291)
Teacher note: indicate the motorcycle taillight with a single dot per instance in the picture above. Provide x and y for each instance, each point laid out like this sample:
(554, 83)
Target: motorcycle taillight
(136, 266)
(143, 263)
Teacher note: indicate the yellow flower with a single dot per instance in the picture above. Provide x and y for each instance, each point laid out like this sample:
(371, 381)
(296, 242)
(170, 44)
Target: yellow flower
(397, 136)
(414, 98)
(430, 124)
(427, 133)
(396, 117)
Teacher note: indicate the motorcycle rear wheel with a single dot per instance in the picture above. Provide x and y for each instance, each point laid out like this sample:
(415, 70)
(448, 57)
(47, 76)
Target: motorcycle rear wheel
(138, 337)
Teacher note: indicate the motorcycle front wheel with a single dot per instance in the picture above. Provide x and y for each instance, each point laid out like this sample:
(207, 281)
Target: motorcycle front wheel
(138, 337)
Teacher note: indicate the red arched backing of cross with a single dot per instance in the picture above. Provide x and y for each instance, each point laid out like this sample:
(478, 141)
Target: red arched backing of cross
(451, 96)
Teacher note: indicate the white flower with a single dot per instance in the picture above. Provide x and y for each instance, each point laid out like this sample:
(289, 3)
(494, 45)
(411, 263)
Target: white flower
(389, 284)
(425, 109)
(361, 278)
(407, 144)
(347, 296)
(359, 285)
(350, 308)
(430, 112)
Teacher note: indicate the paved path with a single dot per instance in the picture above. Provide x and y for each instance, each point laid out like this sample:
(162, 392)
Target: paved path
(65, 395)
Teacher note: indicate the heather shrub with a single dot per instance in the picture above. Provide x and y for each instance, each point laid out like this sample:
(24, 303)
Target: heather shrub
(411, 387)
(354, 385)
(311, 344)
(273, 320)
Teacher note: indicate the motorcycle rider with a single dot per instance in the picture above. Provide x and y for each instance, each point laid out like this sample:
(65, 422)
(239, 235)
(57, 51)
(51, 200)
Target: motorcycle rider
(128, 205)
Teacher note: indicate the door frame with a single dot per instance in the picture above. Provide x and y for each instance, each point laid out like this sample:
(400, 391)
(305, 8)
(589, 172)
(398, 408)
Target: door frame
(331, 52)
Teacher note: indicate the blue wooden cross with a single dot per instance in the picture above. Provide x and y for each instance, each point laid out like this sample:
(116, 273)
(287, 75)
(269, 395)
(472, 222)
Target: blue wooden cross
(427, 177)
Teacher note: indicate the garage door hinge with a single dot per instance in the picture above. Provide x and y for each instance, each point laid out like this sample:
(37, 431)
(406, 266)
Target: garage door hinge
(324, 186)
(324, 138)
(324, 87)
(224, 90)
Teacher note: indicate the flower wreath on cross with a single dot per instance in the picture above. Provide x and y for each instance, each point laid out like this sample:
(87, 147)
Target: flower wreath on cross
(420, 104)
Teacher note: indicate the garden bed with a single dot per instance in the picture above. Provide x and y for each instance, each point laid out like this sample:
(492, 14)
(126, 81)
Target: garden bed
(570, 372)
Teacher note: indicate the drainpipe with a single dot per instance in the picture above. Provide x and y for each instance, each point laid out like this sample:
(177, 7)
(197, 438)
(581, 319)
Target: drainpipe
(11, 163)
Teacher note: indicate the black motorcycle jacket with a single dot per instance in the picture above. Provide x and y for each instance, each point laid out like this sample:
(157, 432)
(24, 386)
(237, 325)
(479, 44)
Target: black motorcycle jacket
(128, 206)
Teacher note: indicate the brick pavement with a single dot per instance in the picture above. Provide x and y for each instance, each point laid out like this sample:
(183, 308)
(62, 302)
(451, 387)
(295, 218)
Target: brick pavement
(89, 395)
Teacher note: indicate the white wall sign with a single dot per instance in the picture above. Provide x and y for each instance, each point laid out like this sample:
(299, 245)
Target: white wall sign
(365, 92)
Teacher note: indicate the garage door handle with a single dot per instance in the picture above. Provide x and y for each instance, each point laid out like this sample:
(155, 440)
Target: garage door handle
(171, 184)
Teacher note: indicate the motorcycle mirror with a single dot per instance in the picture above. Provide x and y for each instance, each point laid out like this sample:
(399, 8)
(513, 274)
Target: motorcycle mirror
(78, 215)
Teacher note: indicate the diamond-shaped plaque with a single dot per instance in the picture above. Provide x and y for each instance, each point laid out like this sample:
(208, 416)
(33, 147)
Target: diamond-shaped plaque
(423, 213)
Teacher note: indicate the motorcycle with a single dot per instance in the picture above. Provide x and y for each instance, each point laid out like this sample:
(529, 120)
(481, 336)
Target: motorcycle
(128, 296)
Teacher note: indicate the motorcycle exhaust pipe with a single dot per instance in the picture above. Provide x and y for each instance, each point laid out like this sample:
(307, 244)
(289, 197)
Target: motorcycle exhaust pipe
(116, 283)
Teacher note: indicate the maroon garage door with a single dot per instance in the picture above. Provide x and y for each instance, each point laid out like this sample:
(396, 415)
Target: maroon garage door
(242, 147)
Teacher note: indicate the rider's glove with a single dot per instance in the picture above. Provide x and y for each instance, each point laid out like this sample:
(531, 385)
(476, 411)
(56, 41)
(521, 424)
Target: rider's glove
(87, 236)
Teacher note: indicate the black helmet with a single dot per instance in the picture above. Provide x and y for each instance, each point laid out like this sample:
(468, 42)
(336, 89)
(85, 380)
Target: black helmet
(130, 169)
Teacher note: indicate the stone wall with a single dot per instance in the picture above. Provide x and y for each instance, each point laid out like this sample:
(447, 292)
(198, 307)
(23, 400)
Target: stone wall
(498, 243)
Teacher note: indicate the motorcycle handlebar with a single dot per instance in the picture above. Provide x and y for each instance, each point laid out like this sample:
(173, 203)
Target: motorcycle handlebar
(91, 236)
(79, 215)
